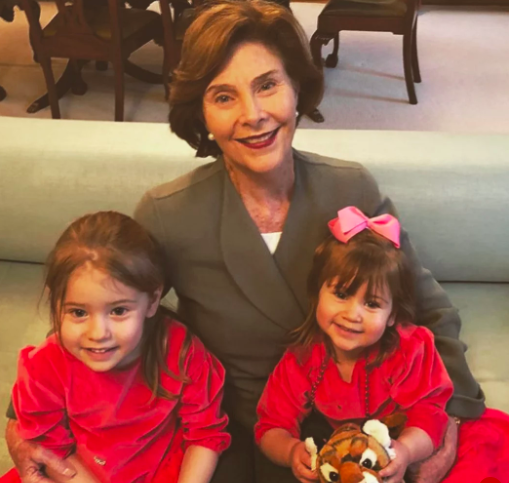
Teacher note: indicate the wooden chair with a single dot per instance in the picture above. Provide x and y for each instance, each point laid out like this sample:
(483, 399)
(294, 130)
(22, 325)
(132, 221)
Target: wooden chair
(175, 25)
(91, 30)
(7, 14)
(396, 16)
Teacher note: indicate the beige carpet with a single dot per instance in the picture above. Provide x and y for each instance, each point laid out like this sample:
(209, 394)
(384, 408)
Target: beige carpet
(464, 54)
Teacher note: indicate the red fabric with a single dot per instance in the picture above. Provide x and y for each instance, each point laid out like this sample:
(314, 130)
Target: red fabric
(11, 477)
(413, 380)
(111, 417)
(483, 449)
(483, 452)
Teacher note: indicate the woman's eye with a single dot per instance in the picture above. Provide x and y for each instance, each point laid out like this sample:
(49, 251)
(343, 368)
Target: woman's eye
(78, 313)
(119, 311)
(222, 99)
(267, 85)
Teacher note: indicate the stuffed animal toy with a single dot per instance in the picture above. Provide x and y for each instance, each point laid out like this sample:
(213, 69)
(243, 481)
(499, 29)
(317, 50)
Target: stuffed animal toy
(356, 454)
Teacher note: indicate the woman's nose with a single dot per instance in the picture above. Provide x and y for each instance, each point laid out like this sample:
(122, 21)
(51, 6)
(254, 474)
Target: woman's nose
(252, 110)
(99, 328)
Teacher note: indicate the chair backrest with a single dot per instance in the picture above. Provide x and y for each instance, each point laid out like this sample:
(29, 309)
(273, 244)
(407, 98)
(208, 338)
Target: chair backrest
(174, 26)
(412, 9)
(70, 33)
(171, 47)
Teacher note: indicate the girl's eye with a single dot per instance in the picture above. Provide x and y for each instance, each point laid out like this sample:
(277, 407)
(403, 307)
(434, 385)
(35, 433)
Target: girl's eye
(78, 313)
(119, 311)
(372, 304)
(341, 295)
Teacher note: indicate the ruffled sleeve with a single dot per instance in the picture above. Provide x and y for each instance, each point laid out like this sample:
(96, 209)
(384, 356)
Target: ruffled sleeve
(285, 399)
(422, 386)
(38, 397)
(202, 419)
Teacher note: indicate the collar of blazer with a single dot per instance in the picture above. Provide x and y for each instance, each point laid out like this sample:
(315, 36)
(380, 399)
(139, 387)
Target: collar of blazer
(266, 280)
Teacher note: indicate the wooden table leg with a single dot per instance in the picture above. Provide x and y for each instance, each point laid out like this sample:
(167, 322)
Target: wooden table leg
(70, 80)
(142, 74)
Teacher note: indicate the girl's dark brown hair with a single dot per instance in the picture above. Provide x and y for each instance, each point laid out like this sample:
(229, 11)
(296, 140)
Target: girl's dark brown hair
(119, 246)
(366, 258)
(210, 42)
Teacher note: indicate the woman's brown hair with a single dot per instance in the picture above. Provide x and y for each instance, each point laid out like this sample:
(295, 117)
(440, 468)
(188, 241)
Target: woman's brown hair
(119, 246)
(366, 258)
(210, 42)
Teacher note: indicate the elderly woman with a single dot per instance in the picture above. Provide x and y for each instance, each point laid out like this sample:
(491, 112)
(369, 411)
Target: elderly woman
(240, 232)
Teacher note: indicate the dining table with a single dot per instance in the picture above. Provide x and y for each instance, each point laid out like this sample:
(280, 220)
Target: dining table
(71, 78)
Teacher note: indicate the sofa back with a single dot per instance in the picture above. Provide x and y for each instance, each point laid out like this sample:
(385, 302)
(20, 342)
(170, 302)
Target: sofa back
(451, 190)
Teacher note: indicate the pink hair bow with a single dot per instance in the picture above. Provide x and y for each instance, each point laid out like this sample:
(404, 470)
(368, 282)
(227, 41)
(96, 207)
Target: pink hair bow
(351, 221)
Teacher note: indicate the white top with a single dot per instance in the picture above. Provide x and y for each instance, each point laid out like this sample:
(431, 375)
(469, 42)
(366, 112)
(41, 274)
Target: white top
(272, 240)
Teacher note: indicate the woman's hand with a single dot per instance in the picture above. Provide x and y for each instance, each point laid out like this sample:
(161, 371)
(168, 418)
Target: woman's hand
(300, 462)
(434, 468)
(29, 458)
(395, 471)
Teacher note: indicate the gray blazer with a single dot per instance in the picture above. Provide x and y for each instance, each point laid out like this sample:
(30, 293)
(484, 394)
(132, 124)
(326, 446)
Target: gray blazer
(242, 301)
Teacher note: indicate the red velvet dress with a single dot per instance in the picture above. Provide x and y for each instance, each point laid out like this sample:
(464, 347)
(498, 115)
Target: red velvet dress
(483, 450)
(110, 419)
(413, 380)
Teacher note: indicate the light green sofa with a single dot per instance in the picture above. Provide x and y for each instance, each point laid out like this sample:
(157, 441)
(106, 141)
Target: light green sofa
(452, 192)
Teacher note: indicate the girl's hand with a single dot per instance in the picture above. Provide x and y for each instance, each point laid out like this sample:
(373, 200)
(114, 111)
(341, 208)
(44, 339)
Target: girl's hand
(300, 462)
(395, 471)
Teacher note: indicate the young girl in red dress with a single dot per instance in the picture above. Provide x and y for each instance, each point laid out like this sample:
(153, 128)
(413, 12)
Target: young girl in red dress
(357, 356)
(120, 388)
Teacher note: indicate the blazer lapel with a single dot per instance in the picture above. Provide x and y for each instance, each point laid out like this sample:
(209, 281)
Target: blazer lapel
(250, 263)
(304, 230)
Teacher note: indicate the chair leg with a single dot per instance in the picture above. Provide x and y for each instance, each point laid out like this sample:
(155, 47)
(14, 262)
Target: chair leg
(332, 59)
(415, 57)
(316, 49)
(50, 84)
(101, 65)
(118, 68)
(78, 87)
(166, 77)
(407, 64)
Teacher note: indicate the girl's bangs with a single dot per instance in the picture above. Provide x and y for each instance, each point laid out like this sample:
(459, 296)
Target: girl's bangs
(355, 267)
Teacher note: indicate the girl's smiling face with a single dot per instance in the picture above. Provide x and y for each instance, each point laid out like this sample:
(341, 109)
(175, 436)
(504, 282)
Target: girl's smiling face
(102, 319)
(250, 108)
(353, 322)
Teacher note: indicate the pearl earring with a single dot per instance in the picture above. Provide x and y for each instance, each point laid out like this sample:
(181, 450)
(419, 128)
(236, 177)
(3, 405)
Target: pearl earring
(296, 113)
(211, 136)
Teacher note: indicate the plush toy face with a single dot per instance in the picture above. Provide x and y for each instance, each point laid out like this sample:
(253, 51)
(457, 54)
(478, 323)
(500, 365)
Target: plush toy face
(351, 456)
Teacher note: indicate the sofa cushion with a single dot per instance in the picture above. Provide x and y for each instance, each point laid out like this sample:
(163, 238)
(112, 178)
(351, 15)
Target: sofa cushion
(450, 189)
(451, 192)
(484, 311)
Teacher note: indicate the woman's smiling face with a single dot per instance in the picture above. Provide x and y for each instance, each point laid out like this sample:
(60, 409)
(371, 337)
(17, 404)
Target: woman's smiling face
(250, 108)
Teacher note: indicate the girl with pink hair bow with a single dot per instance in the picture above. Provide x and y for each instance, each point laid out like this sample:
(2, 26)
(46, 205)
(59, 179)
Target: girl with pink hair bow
(357, 356)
